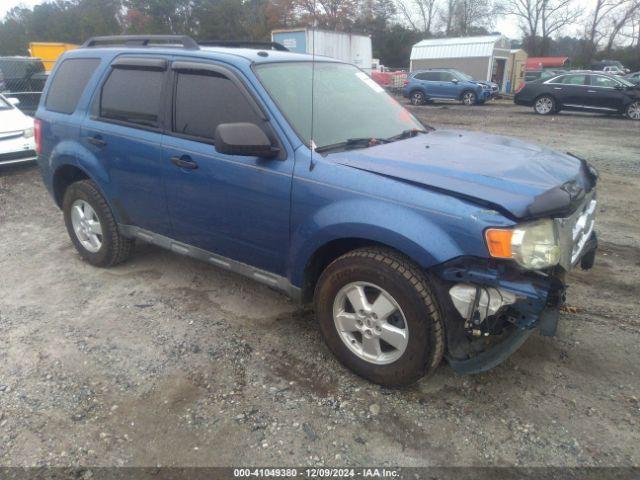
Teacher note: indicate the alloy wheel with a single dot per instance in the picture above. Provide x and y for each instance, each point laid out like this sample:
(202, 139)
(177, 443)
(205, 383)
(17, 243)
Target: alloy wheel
(417, 98)
(633, 112)
(86, 225)
(370, 323)
(544, 105)
(469, 98)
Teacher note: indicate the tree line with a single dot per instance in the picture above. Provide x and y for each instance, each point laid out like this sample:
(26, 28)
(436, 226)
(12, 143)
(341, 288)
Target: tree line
(610, 29)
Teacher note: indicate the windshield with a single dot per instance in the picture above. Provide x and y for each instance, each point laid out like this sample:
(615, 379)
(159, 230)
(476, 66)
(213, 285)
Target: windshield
(625, 82)
(463, 76)
(347, 103)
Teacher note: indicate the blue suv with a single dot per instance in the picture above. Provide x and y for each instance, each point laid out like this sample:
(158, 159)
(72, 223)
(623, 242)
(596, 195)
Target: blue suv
(413, 244)
(424, 85)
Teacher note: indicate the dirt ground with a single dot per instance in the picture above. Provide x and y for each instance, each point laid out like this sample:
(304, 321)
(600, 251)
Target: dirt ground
(168, 361)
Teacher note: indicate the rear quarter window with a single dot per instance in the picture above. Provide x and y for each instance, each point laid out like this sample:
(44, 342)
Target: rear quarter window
(68, 83)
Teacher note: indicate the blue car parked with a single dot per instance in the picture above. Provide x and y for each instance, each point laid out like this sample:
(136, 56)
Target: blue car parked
(413, 244)
(447, 84)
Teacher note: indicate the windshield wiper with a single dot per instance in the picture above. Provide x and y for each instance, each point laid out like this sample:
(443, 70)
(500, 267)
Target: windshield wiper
(405, 134)
(352, 143)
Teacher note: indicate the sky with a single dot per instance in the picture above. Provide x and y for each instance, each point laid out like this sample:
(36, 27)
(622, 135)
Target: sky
(508, 26)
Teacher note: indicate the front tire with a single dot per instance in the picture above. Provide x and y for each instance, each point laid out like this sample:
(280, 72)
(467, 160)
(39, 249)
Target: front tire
(545, 105)
(418, 98)
(92, 227)
(633, 110)
(379, 317)
(469, 98)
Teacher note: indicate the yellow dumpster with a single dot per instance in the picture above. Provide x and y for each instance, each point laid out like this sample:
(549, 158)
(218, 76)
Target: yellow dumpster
(49, 52)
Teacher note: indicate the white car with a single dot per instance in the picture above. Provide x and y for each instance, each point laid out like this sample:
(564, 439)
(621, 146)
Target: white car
(614, 70)
(17, 142)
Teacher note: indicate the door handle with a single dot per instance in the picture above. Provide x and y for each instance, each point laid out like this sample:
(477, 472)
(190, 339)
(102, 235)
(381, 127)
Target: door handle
(97, 141)
(557, 88)
(592, 91)
(184, 162)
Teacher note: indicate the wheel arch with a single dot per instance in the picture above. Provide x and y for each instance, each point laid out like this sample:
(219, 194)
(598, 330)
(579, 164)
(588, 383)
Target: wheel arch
(547, 94)
(324, 255)
(63, 177)
(421, 90)
(70, 162)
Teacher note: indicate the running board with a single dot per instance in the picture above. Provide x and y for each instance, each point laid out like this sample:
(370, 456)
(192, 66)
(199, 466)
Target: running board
(262, 276)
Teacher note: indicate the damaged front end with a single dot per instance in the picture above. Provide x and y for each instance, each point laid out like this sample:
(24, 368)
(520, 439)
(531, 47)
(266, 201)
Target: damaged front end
(492, 306)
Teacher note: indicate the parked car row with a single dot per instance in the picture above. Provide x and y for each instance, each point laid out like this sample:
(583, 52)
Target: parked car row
(431, 84)
(581, 91)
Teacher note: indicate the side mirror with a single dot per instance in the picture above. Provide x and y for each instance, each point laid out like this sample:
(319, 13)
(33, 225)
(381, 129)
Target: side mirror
(13, 101)
(455, 80)
(619, 87)
(245, 139)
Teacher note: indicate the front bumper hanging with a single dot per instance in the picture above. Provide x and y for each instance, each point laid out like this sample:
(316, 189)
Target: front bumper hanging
(475, 293)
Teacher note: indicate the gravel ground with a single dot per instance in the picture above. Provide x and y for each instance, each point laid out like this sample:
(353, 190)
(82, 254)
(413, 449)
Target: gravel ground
(167, 361)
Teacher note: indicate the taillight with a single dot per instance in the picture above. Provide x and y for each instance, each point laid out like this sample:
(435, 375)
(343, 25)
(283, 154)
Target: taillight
(37, 132)
(520, 87)
(405, 82)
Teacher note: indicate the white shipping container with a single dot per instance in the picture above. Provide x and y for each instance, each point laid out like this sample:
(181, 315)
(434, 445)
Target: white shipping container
(347, 47)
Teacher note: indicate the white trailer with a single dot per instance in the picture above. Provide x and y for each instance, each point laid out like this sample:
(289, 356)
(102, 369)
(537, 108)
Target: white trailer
(347, 47)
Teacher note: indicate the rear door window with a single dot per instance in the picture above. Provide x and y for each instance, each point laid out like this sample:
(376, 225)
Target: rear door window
(132, 95)
(446, 77)
(428, 76)
(69, 82)
(573, 80)
(205, 100)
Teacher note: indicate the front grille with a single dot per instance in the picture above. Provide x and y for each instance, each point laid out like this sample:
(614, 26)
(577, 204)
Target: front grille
(575, 231)
(5, 157)
(583, 229)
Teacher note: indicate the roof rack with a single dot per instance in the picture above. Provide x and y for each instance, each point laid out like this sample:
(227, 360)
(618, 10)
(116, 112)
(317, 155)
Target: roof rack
(142, 41)
(243, 44)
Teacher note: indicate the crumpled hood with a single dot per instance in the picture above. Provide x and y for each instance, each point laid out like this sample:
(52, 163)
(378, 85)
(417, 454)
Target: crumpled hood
(485, 83)
(523, 179)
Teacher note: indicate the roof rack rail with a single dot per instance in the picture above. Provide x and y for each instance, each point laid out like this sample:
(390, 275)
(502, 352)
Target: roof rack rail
(243, 44)
(141, 41)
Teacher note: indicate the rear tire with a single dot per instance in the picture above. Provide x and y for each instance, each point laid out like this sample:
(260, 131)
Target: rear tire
(92, 227)
(633, 110)
(381, 281)
(545, 105)
(417, 98)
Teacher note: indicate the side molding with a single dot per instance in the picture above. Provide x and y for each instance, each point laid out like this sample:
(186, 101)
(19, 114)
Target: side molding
(275, 281)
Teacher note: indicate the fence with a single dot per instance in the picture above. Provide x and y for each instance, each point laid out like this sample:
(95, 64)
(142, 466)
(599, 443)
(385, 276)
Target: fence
(392, 81)
(22, 78)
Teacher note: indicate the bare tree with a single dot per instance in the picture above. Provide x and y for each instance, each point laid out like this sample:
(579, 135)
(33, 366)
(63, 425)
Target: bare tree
(424, 9)
(447, 14)
(593, 30)
(554, 17)
(623, 19)
(335, 14)
(470, 14)
(541, 19)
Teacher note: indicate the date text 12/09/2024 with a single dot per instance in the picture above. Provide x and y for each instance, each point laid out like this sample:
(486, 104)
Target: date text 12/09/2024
(317, 472)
